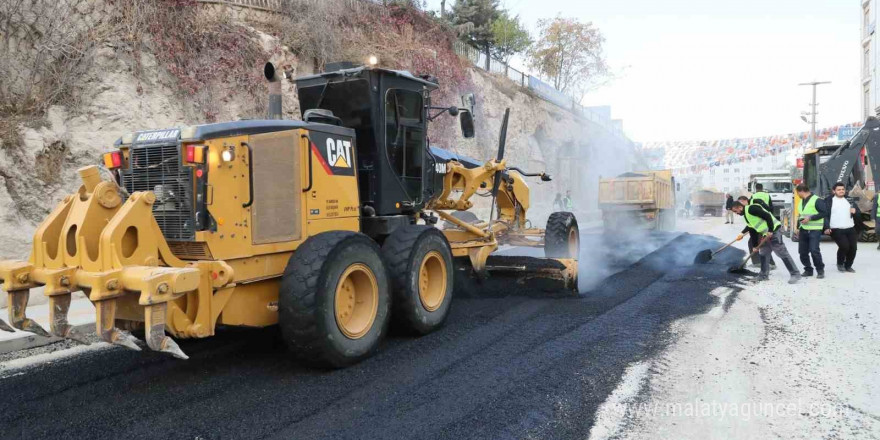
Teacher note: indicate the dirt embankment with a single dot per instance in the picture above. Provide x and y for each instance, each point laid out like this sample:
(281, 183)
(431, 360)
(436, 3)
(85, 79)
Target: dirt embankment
(139, 77)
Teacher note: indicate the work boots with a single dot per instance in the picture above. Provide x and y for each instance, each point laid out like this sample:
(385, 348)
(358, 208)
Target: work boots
(808, 272)
(840, 268)
(795, 277)
(820, 273)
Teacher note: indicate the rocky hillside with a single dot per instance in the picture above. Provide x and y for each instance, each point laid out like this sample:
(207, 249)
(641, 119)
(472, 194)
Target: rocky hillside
(127, 86)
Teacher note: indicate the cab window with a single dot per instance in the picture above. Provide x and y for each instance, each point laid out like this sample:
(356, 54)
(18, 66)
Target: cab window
(405, 137)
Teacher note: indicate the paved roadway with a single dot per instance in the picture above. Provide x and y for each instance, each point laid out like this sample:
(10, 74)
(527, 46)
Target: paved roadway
(515, 367)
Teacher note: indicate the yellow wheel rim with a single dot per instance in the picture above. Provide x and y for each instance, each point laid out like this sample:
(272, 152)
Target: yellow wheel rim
(357, 300)
(574, 243)
(432, 281)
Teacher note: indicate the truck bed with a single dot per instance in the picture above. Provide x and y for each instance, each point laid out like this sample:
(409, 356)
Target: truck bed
(637, 191)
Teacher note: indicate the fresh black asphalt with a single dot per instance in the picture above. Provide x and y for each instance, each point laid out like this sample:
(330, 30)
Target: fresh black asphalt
(512, 367)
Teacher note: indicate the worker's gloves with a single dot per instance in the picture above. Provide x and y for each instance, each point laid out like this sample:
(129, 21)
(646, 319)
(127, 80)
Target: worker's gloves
(739, 237)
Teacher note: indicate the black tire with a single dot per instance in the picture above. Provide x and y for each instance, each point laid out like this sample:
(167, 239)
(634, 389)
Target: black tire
(307, 299)
(867, 236)
(404, 252)
(561, 227)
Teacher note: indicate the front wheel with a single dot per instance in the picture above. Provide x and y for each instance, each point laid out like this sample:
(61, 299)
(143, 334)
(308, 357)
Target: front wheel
(562, 236)
(334, 299)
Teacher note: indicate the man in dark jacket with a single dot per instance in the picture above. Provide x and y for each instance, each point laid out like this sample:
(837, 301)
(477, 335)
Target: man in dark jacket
(841, 226)
(727, 205)
(813, 214)
(763, 222)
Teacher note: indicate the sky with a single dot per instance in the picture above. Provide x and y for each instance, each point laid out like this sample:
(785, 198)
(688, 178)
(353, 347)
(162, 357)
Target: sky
(713, 69)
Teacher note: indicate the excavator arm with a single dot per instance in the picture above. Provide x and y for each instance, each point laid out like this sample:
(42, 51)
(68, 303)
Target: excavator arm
(844, 165)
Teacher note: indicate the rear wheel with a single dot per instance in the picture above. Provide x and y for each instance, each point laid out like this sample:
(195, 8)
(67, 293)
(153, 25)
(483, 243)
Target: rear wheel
(420, 265)
(562, 237)
(868, 236)
(334, 299)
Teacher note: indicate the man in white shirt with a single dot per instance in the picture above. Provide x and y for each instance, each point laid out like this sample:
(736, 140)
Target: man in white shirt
(841, 226)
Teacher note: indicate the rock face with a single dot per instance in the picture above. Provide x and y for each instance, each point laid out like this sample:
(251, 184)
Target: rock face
(41, 170)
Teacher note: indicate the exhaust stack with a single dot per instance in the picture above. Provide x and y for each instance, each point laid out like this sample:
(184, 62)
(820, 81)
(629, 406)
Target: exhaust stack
(274, 91)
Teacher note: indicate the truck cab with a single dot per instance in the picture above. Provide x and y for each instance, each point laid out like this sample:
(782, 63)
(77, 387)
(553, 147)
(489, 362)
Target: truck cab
(778, 185)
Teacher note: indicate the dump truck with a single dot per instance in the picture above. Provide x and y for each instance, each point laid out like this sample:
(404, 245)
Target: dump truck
(644, 199)
(324, 226)
(707, 201)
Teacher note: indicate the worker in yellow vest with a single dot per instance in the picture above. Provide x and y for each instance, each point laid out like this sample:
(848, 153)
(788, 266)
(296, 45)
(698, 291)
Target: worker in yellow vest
(812, 225)
(769, 228)
(754, 236)
(763, 196)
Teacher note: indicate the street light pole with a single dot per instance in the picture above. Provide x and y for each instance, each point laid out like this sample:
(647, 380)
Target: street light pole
(814, 112)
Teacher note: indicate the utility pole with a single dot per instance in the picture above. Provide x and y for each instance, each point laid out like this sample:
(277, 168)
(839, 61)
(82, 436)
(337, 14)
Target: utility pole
(813, 113)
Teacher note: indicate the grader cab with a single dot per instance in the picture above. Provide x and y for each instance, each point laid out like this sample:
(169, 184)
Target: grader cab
(325, 226)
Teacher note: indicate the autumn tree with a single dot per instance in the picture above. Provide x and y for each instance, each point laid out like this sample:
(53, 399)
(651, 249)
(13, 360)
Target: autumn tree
(478, 17)
(509, 36)
(569, 53)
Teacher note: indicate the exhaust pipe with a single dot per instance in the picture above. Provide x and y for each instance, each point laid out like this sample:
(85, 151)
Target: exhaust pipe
(274, 91)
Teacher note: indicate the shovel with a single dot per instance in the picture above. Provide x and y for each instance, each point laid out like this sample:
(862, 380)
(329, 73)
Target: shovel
(706, 255)
(739, 268)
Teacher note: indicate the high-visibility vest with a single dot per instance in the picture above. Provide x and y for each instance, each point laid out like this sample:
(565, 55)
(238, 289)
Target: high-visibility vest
(762, 196)
(809, 209)
(757, 223)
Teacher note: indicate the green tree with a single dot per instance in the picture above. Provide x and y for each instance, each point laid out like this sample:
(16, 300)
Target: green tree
(478, 17)
(509, 37)
(569, 53)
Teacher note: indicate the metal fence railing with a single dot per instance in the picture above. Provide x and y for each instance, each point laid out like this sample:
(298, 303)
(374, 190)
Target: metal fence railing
(356, 6)
(537, 86)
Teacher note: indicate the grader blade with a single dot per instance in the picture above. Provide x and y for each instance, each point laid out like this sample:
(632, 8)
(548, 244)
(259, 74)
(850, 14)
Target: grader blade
(5, 327)
(506, 275)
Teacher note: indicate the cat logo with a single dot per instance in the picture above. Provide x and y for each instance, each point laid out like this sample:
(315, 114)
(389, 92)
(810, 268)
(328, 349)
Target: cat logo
(339, 153)
(335, 154)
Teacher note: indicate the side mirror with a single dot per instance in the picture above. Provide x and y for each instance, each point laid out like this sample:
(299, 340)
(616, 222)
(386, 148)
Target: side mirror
(453, 110)
(467, 123)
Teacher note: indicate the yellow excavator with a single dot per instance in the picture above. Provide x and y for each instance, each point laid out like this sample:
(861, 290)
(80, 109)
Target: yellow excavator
(326, 226)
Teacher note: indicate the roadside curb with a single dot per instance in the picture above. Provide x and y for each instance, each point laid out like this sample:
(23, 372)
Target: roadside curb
(30, 340)
(81, 317)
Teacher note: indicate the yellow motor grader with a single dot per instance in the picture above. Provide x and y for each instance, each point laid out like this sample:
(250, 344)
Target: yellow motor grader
(325, 226)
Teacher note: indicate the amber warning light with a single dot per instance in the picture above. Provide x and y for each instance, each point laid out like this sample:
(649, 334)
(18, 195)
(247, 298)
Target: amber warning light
(195, 153)
(113, 160)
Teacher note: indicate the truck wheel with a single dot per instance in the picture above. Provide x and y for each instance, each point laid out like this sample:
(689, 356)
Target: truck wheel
(420, 266)
(334, 299)
(562, 238)
(868, 236)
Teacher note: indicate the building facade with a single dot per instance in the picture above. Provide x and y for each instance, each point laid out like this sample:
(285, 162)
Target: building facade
(869, 71)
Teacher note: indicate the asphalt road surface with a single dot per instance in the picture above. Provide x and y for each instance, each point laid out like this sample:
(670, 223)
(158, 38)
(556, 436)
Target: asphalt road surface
(513, 367)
